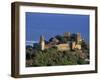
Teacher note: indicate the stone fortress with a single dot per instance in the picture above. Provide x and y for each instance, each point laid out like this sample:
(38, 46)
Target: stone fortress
(62, 46)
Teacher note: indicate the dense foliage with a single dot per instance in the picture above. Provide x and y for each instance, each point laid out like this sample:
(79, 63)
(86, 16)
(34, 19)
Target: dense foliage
(53, 57)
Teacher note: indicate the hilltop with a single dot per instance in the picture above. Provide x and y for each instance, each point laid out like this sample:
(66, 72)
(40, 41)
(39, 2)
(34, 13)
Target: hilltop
(66, 49)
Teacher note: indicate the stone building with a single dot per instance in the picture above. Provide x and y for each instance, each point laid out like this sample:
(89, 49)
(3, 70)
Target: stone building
(62, 46)
(67, 34)
(79, 39)
(42, 42)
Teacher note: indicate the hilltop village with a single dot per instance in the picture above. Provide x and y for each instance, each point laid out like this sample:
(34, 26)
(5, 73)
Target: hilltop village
(66, 49)
(66, 42)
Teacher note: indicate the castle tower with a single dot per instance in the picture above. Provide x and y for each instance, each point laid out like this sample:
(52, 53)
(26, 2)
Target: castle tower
(78, 39)
(73, 45)
(42, 42)
(67, 34)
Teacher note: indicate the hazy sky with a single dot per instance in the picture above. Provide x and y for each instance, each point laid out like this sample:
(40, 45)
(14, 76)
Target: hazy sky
(49, 25)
